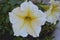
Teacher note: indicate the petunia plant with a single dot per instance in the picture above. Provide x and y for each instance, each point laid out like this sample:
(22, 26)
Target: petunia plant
(26, 20)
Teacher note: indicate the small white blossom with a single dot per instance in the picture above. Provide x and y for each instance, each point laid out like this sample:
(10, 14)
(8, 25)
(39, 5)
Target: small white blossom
(27, 19)
(54, 12)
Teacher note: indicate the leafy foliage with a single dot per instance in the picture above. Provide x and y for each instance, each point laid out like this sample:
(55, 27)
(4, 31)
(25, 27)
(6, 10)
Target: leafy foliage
(6, 32)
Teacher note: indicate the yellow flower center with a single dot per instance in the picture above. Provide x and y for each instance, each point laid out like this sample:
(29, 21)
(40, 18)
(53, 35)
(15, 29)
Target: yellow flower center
(27, 18)
(54, 8)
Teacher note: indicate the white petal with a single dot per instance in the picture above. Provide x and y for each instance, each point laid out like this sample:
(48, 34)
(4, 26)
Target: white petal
(17, 24)
(32, 6)
(17, 11)
(33, 32)
(52, 18)
(15, 19)
(35, 27)
(18, 31)
(24, 5)
(29, 5)
(39, 14)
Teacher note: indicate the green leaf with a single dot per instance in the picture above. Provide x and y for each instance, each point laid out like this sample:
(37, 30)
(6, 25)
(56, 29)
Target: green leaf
(5, 8)
(18, 38)
(7, 19)
(45, 7)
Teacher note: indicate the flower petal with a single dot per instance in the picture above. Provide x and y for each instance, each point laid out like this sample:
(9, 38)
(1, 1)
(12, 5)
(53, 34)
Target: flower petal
(27, 5)
(52, 18)
(24, 5)
(40, 16)
(15, 19)
(18, 31)
(32, 6)
(17, 24)
(34, 29)
(18, 12)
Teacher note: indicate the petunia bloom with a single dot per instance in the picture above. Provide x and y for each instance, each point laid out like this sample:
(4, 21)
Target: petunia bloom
(54, 12)
(27, 19)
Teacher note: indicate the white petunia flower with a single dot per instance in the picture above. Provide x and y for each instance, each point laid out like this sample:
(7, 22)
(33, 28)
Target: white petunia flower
(54, 12)
(27, 19)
